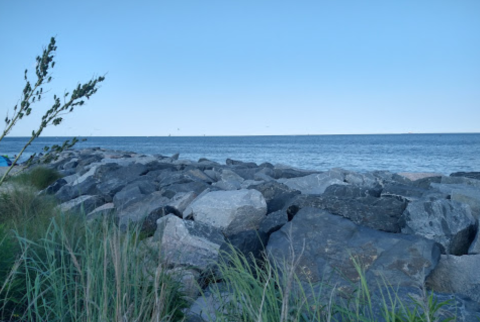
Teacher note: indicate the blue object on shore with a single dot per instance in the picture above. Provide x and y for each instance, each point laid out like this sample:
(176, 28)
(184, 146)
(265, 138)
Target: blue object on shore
(5, 161)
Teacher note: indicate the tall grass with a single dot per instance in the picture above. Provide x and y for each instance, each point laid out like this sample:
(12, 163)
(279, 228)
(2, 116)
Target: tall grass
(85, 272)
(272, 292)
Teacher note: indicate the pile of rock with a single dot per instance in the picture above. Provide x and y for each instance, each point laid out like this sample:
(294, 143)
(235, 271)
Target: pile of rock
(409, 229)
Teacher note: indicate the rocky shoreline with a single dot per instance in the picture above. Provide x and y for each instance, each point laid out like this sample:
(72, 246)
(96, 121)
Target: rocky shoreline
(411, 229)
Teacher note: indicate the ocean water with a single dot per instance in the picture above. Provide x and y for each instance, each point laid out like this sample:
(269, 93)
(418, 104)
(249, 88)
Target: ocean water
(442, 153)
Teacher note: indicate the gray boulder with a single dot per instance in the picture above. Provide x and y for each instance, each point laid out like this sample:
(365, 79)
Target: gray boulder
(462, 193)
(408, 192)
(99, 212)
(145, 211)
(457, 274)
(314, 183)
(377, 213)
(325, 245)
(188, 243)
(273, 222)
(86, 186)
(84, 204)
(230, 211)
(447, 222)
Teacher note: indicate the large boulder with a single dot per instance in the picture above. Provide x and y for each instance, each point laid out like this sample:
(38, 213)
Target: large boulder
(471, 175)
(188, 243)
(145, 211)
(325, 247)
(85, 186)
(314, 183)
(457, 274)
(462, 193)
(378, 213)
(447, 222)
(230, 211)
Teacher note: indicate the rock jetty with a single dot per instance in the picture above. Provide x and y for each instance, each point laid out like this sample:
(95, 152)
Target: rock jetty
(413, 230)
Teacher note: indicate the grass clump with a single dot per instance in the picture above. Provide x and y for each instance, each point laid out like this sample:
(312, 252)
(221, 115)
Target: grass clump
(84, 272)
(39, 177)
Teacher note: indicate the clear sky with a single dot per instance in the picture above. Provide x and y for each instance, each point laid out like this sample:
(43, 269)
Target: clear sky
(191, 67)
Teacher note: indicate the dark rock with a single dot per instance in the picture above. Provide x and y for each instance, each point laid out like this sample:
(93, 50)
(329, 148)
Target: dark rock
(275, 194)
(408, 192)
(195, 186)
(377, 213)
(74, 190)
(288, 173)
(471, 175)
(349, 191)
(458, 275)
(146, 210)
(83, 204)
(425, 183)
(127, 196)
(447, 222)
(241, 163)
(325, 246)
(170, 178)
(273, 222)
(249, 243)
(54, 187)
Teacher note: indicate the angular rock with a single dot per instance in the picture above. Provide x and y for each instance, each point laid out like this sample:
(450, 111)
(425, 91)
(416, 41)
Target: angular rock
(180, 202)
(54, 187)
(462, 193)
(408, 192)
(361, 179)
(325, 244)
(188, 243)
(378, 213)
(241, 163)
(447, 222)
(349, 191)
(457, 274)
(230, 211)
(104, 210)
(314, 183)
(414, 176)
(145, 211)
(195, 186)
(127, 196)
(285, 172)
(84, 204)
(249, 243)
(275, 194)
(273, 222)
(86, 186)
(471, 175)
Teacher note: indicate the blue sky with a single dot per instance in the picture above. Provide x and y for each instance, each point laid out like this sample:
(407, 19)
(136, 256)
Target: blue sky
(250, 67)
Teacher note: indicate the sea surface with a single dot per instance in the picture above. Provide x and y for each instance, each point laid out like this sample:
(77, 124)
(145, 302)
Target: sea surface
(442, 153)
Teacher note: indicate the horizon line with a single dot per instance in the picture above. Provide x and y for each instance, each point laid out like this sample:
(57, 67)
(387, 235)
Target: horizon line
(245, 135)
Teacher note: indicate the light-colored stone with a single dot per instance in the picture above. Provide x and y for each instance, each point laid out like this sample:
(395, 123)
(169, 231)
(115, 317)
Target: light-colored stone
(314, 183)
(450, 223)
(230, 211)
(412, 176)
(98, 212)
(187, 243)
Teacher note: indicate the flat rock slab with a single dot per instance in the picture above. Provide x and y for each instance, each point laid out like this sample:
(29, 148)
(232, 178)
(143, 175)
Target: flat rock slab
(230, 211)
(457, 274)
(325, 246)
